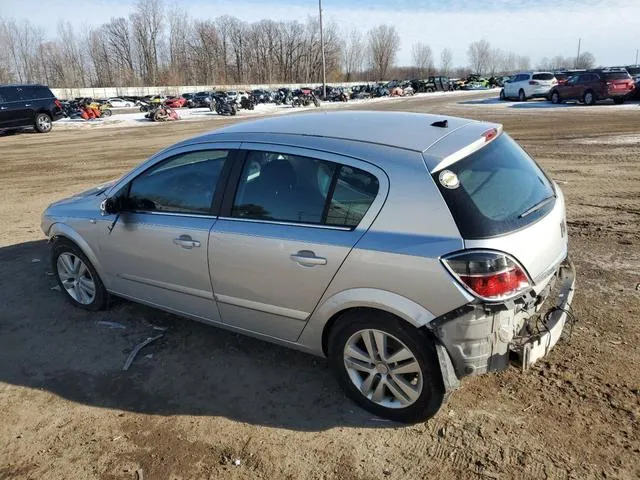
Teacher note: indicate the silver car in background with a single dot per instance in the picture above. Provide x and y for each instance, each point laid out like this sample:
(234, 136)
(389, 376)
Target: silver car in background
(411, 250)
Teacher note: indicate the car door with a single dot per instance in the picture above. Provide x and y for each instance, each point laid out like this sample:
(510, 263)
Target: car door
(284, 232)
(155, 251)
(510, 88)
(12, 111)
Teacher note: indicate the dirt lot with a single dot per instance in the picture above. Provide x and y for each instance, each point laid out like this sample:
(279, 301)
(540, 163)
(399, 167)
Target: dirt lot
(206, 400)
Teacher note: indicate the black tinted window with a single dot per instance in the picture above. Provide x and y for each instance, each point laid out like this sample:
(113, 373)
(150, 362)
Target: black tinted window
(33, 93)
(615, 75)
(543, 76)
(183, 184)
(9, 94)
(291, 188)
(493, 190)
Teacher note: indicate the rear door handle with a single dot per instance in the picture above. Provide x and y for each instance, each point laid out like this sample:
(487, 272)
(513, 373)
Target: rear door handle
(185, 241)
(307, 258)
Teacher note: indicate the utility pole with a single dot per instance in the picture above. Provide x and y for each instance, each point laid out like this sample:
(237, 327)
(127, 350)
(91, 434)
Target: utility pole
(578, 57)
(324, 70)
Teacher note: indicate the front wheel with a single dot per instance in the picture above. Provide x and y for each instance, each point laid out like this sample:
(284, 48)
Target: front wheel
(618, 101)
(76, 277)
(106, 112)
(386, 366)
(42, 123)
(502, 97)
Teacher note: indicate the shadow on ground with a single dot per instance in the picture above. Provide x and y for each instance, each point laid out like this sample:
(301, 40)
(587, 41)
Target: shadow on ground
(195, 369)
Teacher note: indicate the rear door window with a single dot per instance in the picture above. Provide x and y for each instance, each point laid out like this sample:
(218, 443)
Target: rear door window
(495, 190)
(291, 188)
(543, 76)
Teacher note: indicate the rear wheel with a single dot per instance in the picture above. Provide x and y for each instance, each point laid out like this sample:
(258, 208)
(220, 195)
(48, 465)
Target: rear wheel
(522, 96)
(386, 366)
(618, 100)
(589, 98)
(555, 98)
(42, 123)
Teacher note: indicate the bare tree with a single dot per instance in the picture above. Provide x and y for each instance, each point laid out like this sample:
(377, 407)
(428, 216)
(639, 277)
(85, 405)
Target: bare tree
(384, 42)
(585, 60)
(446, 61)
(479, 56)
(353, 54)
(422, 59)
(146, 24)
(524, 62)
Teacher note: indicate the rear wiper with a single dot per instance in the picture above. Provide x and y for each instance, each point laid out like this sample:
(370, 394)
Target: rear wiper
(537, 206)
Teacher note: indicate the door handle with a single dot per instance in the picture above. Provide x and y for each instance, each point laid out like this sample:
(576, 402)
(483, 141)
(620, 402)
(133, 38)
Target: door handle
(185, 241)
(307, 258)
(3, 108)
(27, 104)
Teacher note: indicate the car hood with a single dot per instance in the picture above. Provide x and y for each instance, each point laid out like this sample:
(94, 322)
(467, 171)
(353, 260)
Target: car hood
(96, 191)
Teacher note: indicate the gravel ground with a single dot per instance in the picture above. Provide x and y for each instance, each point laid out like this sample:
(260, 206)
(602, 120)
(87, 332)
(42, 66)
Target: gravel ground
(202, 403)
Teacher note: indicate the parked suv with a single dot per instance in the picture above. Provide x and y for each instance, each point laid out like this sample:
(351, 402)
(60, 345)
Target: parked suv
(592, 86)
(411, 250)
(28, 106)
(526, 85)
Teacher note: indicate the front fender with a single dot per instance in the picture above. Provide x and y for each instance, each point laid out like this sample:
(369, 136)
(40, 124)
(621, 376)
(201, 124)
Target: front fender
(393, 303)
(63, 230)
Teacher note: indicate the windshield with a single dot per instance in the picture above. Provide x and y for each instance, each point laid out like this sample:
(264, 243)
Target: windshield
(616, 76)
(495, 190)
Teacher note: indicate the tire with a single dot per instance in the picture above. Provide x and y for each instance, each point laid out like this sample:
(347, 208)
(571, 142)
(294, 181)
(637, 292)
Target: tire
(106, 112)
(127, 105)
(78, 293)
(424, 380)
(555, 98)
(522, 97)
(618, 100)
(502, 97)
(42, 123)
(589, 98)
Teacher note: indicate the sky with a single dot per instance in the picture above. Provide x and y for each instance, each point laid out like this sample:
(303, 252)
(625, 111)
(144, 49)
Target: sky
(609, 29)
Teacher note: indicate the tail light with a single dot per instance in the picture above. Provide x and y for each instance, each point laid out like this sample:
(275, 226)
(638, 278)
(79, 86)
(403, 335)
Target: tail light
(489, 275)
(57, 103)
(490, 135)
(533, 82)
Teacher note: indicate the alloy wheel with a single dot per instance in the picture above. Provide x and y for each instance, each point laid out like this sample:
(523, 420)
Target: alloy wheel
(383, 368)
(44, 123)
(76, 278)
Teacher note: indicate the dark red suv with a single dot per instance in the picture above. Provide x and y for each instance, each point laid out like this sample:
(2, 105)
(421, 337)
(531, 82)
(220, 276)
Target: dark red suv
(590, 87)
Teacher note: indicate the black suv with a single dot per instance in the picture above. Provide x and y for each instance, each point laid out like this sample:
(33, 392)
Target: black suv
(28, 106)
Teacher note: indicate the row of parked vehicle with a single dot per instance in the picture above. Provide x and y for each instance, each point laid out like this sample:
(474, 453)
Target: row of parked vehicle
(587, 86)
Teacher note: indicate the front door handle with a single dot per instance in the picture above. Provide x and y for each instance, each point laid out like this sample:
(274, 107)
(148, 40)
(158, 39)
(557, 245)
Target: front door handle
(307, 258)
(27, 104)
(185, 241)
(3, 108)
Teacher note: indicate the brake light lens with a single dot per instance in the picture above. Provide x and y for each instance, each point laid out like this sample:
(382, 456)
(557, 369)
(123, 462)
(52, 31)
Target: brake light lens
(58, 104)
(489, 275)
(533, 82)
(490, 135)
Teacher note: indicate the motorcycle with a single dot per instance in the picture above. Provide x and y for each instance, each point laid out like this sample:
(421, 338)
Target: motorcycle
(223, 106)
(248, 103)
(162, 113)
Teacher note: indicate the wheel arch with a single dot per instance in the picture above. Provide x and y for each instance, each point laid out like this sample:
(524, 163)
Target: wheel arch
(328, 313)
(65, 232)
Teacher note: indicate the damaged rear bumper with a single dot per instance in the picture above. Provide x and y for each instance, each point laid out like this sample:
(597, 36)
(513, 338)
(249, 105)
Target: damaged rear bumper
(539, 345)
(486, 337)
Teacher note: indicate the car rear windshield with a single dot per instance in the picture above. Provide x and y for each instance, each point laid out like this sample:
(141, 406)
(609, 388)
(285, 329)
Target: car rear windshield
(615, 75)
(543, 76)
(495, 190)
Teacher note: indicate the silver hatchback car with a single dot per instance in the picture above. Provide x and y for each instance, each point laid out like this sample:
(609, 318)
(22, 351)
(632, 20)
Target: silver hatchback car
(411, 250)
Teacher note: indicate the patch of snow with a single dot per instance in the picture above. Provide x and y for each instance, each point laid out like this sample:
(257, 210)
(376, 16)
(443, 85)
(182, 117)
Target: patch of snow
(622, 140)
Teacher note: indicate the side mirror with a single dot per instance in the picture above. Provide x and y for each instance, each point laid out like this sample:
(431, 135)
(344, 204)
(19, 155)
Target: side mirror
(109, 206)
